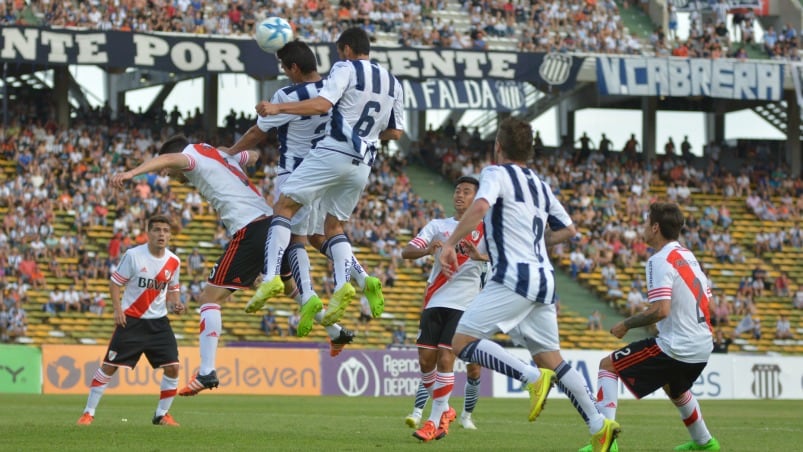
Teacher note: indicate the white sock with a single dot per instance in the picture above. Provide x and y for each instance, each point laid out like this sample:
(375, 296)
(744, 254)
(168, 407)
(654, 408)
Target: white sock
(211, 329)
(300, 266)
(493, 356)
(275, 245)
(428, 379)
(444, 383)
(358, 273)
(570, 381)
(99, 383)
(166, 395)
(341, 258)
(607, 393)
(692, 417)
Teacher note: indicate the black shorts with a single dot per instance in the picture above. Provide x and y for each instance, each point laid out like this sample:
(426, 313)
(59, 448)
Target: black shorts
(644, 368)
(244, 257)
(365, 317)
(153, 337)
(437, 326)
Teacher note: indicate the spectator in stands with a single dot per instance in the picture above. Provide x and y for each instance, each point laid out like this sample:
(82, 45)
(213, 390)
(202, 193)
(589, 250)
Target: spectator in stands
(365, 315)
(292, 323)
(720, 311)
(721, 343)
(635, 301)
(55, 303)
(195, 264)
(4, 322)
(797, 299)
(399, 337)
(17, 322)
(594, 321)
(30, 273)
(269, 324)
(783, 329)
(781, 285)
(72, 299)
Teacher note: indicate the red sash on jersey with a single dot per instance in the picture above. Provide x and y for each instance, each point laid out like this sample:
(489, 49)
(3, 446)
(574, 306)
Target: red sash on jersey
(214, 154)
(441, 279)
(688, 277)
(141, 304)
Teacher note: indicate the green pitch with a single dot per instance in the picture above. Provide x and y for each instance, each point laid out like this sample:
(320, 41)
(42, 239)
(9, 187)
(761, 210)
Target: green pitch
(242, 423)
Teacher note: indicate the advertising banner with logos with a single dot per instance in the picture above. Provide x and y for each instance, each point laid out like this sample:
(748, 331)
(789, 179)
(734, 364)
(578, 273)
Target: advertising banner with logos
(725, 376)
(68, 369)
(380, 373)
(20, 369)
(683, 77)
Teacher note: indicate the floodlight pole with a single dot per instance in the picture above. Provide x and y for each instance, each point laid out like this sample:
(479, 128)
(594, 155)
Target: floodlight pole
(5, 98)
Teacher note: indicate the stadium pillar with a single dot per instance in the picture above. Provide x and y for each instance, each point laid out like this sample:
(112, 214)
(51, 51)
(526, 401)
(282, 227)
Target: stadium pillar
(61, 86)
(565, 124)
(210, 104)
(714, 127)
(793, 133)
(649, 105)
(5, 96)
(115, 97)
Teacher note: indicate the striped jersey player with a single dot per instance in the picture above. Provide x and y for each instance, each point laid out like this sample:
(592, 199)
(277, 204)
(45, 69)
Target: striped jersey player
(521, 217)
(366, 103)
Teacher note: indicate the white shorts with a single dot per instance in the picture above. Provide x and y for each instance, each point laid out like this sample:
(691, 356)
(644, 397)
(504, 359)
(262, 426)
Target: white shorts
(309, 219)
(497, 309)
(331, 177)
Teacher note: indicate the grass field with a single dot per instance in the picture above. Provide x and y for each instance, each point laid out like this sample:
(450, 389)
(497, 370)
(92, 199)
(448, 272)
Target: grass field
(243, 423)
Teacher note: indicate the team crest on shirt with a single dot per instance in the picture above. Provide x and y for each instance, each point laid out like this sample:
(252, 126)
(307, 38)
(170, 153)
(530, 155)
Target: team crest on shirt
(112, 355)
(167, 274)
(475, 235)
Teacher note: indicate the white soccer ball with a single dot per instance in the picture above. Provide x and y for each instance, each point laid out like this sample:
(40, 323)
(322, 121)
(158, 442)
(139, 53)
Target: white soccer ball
(273, 33)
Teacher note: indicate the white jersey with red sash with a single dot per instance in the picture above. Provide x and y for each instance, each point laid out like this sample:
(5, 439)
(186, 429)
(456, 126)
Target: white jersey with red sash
(223, 183)
(674, 273)
(147, 279)
(455, 293)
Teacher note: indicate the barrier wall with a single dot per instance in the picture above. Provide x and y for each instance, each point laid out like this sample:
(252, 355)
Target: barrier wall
(20, 369)
(379, 373)
(725, 376)
(68, 369)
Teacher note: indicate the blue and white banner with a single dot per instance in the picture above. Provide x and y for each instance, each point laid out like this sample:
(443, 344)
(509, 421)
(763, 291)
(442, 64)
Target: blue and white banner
(454, 94)
(680, 77)
(187, 53)
(759, 7)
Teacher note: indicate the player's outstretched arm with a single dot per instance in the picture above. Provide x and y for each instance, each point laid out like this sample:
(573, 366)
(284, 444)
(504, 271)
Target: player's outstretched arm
(249, 140)
(315, 106)
(561, 235)
(169, 161)
(391, 134)
(413, 252)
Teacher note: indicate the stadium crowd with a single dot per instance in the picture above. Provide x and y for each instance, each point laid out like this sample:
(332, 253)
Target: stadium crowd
(534, 26)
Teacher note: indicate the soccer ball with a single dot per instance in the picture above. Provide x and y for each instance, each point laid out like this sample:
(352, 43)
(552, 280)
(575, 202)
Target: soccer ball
(273, 33)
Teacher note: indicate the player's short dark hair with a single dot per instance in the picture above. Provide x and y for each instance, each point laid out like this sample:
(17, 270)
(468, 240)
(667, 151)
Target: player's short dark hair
(515, 137)
(298, 53)
(159, 219)
(174, 144)
(669, 218)
(357, 39)
(467, 180)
